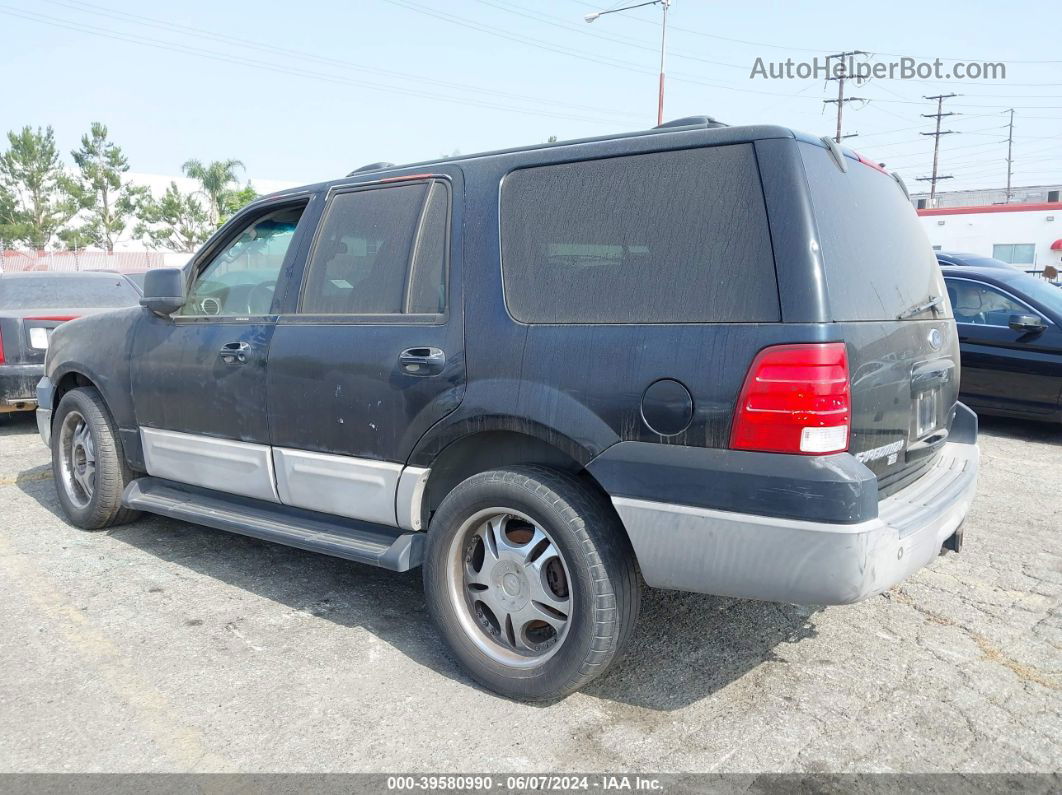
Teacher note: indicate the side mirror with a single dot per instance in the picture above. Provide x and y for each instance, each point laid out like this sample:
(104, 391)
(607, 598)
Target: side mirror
(163, 290)
(1026, 324)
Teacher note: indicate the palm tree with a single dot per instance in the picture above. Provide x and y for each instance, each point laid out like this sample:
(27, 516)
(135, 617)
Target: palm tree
(214, 178)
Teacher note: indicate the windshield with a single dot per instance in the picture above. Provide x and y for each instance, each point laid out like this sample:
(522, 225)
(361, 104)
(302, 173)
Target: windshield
(1043, 292)
(66, 292)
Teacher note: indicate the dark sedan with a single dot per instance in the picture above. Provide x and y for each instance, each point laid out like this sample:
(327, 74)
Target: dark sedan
(31, 305)
(972, 260)
(1010, 336)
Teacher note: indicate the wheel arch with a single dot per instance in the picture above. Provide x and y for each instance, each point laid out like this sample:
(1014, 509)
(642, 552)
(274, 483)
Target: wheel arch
(75, 376)
(72, 379)
(497, 446)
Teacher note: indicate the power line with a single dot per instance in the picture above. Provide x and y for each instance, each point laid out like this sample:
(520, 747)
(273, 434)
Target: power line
(291, 71)
(818, 49)
(173, 27)
(546, 19)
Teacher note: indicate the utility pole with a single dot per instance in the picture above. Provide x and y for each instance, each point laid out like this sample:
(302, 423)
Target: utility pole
(936, 142)
(841, 98)
(1010, 149)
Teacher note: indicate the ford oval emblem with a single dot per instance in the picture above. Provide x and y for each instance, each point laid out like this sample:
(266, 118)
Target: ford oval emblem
(936, 339)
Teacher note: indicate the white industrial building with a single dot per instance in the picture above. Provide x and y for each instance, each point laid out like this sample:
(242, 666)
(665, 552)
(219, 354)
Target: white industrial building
(1029, 235)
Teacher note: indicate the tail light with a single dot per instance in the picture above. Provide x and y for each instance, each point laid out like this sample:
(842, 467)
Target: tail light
(1, 348)
(796, 399)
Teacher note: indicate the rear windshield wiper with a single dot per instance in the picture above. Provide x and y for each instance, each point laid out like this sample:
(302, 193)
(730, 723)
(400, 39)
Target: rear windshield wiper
(933, 302)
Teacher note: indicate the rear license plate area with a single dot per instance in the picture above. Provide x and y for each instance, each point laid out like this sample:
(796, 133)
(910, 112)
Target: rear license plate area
(927, 412)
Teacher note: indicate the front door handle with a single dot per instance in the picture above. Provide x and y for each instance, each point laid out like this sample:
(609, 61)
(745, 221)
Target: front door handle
(422, 361)
(234, 352)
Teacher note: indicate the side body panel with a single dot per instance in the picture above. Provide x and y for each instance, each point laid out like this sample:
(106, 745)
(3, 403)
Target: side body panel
(580, 387)
(186, 378)
(180, 382)
(335, 384)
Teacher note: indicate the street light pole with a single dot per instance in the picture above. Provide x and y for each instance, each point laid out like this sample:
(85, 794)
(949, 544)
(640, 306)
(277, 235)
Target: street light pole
(663, 45)
(663, 50)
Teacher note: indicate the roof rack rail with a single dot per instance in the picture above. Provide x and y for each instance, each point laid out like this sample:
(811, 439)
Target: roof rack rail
(691, 121)
(371, 167)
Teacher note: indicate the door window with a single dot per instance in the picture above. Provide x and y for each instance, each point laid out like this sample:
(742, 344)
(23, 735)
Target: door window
(380, 252)
(241, 279)
(982, 305)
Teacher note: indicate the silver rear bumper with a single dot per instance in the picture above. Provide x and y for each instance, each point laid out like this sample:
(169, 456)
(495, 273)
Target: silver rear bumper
(787, 560)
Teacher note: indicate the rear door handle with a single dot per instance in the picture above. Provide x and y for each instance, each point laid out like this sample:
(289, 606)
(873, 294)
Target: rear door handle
(422, 361)
(234, 352)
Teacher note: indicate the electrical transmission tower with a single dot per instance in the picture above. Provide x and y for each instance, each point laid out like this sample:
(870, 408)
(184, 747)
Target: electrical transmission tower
(1010, 149)
(841, 98)
(935, 177)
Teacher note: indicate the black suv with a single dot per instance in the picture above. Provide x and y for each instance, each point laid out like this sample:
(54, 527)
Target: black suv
(719, 359)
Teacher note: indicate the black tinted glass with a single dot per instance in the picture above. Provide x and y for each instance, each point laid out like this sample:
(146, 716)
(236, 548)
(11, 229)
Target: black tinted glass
(670, 237)
(878, 261)
(361, 263)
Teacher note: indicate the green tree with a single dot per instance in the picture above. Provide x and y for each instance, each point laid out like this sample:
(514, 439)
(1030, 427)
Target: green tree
(31, 171)
(99, 190)
(177, 221)
(232, 201)
(214, 178)
(8, 218)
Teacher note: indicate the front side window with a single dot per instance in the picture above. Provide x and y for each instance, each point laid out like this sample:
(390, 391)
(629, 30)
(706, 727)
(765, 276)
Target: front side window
(380, 251)
(241, 279)
(982, 305)
(1015, 253)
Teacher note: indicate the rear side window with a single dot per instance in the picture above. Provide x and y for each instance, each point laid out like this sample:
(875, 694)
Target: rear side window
(66, 292)
(381, 252)
(877, 258)
(670, 237)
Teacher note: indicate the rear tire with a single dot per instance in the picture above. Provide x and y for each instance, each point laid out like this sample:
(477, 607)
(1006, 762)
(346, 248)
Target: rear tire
(88, 462)
(531, 581)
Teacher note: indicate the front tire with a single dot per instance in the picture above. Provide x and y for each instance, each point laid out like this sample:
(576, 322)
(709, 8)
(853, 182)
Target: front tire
(531, 581)
(88, 462)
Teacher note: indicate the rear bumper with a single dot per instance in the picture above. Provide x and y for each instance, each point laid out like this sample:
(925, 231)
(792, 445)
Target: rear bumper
(806, 562)
(18, 384)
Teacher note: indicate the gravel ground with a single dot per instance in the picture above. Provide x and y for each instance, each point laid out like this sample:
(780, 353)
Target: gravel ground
(163, 646)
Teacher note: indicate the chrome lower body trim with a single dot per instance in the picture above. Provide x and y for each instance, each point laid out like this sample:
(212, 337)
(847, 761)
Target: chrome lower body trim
(382, 492)
(410, 497)
(222, 464)
(358, 488)
(786, 560)
(44, 425)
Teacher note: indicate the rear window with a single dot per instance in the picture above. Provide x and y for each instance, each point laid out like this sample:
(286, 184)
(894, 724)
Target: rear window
(878, 261)
(670, 237)
(66, 292)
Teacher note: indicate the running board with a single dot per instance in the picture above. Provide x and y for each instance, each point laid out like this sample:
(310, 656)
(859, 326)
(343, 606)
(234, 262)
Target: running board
(376, 545)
